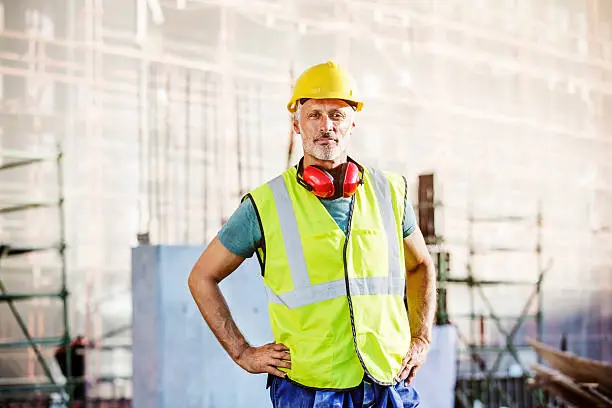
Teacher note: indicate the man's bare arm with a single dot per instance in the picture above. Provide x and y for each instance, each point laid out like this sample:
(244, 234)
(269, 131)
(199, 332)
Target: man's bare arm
(214, 265)
(420, 286)
(421, 294)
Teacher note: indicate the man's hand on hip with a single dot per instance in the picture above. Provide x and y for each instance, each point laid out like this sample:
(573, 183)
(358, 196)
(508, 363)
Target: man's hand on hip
(413, 361)
(265, 359)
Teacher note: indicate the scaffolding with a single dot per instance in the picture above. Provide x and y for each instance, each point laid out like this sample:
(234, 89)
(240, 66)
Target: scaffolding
(179, 108)
(17, 210)
(493, 359)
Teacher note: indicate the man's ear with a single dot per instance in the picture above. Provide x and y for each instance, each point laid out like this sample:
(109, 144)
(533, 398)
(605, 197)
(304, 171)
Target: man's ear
(296, 127)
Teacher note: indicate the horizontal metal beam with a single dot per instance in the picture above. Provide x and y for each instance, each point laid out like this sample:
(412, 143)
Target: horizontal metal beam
(49, 341)
(11, 297)
(30, 387)
(491, 349)
(116, 331)
(26, 206)
(473, 281)
(114, 347)
(502, 218)
(9, 250)
(25, 155)
(112, 378)
(488, 250)
(19, 163)
(477, 316)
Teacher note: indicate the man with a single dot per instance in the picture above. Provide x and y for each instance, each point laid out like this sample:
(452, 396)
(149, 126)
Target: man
(77, 367)
(339, 250)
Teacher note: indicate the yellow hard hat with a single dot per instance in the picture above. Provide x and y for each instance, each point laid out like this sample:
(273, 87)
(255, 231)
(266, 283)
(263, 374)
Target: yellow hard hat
(325, 81)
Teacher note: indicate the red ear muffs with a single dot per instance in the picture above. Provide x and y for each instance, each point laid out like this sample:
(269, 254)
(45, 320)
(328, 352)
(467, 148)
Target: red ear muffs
(321, 183)
(324, 185)
(352, 179)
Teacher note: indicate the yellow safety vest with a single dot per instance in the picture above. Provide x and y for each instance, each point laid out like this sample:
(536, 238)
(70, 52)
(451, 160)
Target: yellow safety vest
(336, 300)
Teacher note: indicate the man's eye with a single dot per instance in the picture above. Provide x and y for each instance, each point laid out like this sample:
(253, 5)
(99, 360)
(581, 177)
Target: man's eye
(314, 115)
(336, 115)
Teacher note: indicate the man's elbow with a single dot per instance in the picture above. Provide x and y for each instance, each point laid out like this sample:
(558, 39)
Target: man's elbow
(196, 277)
(428, 263)
(425, 265)
(192, 281)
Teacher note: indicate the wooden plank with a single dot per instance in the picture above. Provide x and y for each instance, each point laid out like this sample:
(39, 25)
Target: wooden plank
(565, 388)
(582, 370)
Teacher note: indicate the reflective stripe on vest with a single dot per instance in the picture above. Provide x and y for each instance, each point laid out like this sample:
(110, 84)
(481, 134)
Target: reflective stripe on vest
(304, 292)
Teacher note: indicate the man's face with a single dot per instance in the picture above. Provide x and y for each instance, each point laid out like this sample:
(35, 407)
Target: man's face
(325, 126)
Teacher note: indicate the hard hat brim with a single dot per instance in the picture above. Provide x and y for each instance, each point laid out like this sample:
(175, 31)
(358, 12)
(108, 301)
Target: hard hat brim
(293, 104)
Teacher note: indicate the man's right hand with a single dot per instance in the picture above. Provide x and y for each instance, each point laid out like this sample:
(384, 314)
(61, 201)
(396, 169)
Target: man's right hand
(265, 359)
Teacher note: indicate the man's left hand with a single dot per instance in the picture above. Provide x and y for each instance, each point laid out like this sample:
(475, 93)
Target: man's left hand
(413, 361)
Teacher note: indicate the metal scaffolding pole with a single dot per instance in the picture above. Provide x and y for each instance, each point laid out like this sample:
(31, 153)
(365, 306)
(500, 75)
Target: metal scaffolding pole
(12, 160)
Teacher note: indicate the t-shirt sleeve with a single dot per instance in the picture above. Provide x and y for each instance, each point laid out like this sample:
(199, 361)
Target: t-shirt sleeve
(409, 223)
(241, 234)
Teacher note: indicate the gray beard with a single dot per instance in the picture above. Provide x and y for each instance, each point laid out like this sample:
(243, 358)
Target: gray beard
(326, 152)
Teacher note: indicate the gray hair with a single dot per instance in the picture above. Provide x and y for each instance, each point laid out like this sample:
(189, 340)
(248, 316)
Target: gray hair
(298, 110)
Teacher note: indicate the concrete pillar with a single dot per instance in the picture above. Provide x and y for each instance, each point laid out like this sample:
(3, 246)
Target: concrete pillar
(177, 361)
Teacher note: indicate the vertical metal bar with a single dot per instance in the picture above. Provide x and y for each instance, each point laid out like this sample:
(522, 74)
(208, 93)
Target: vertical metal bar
(99, 132)
(68, 134)
(217, 149)
(482, 330)
(226, 184)
(188, 106)
(164, 218)
(152, 140)
(206, 124)
(248, 121)
(239, 115)
(260, 134)
(88, 103)
(33, 88)
(540, 301)
(157, 161)
(443, 268)
(516, 385)
(291, 131)
(508, 380)
(144, 199)
(154, 150)
(491, 395)
(470, 274)
(525, 396)
(142, 21)
(64, 272)
(251, 132)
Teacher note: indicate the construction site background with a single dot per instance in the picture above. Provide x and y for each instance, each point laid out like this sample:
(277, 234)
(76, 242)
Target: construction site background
(163, 113)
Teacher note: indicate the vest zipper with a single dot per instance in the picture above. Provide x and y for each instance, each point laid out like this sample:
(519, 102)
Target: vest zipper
(348, 294)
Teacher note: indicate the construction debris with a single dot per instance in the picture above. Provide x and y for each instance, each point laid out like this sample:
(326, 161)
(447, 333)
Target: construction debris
(579, 381)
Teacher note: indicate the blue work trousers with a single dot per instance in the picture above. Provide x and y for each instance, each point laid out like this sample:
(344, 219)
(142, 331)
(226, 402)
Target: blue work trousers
(285, 394)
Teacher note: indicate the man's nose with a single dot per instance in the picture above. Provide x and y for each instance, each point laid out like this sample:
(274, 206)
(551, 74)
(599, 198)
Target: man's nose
(327, 125)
